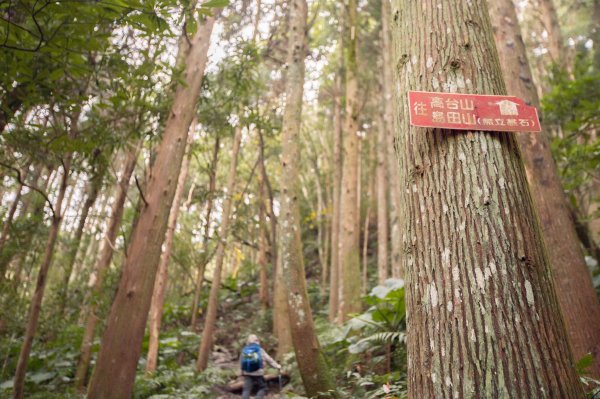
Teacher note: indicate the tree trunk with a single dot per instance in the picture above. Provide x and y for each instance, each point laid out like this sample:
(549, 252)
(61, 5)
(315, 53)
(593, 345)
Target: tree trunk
(212, 185)
(556, 41)
(365, 253)
(572, 280)
(311, 361)
(9, 219)
(350, 280)
(102, 265)
(160, 285)
(595, 33)
(211, 311)
(38, 294)
(124, 332)
(38, 210)
(334, 274)
(382, 209)
(392, 160)
(482, 315)
(281, 322)
(263, 293)
(95, 185)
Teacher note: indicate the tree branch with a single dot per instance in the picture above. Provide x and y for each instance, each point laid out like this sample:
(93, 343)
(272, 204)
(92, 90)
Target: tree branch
(137, 183)
(34, 188)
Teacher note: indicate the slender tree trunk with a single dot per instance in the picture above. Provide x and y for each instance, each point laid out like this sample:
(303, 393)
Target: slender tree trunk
(311, 361)
(95, 185)
(349, 224)
(122, 339)
(8, 221)
(211, 311)
(334, 277)
(572, 280)
(38, 295)
(482, 315)
(103, 263)
(212, 185)
(160, 285)
(595, 33)
(24, 213)
(281, 323)
(365, 253)
(320, 225)
(263, 293)
(392, 159)
(556, 41)
(382, 209)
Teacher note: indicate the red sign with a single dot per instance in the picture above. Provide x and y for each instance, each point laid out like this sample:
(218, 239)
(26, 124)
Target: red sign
(472, 112)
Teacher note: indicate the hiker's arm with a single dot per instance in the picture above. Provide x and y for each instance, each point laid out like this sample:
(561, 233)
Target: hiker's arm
(270, 360)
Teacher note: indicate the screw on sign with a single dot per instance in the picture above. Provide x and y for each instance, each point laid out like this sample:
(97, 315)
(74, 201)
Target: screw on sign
(472, 112)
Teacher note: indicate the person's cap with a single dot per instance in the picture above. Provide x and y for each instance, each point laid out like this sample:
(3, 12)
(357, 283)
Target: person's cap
(252, 339)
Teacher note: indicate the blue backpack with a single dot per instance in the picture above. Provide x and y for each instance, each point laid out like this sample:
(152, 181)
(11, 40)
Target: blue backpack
(251, 358)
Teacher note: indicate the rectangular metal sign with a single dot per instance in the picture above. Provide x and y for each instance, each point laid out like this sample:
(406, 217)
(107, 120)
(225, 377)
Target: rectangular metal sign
(472, 112)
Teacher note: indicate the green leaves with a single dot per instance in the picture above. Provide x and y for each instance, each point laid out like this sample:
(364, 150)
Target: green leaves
(215, 3)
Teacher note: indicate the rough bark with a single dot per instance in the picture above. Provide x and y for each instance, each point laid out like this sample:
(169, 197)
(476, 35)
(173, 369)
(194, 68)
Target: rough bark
(572, 280)
(36, 300)
(124, 333)
(349, 301)
(392, 160)
(102, 264)
(212, 185)
(211, 311)
(482, 315)
(334, 269)
(160, 285)
(311, 361)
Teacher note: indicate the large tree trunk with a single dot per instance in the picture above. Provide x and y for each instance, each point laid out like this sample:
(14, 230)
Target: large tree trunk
(392, 160)
(160, 285)
(482, 315)
(211, 311)
(212, 185)
(122, 339)
(38, 294)
(311, 361)
(334, 269)
(95, 185)
(349, 229)
(572, 280)
(102, 264)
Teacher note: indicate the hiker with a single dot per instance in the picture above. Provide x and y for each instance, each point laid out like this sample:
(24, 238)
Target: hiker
(252, 367)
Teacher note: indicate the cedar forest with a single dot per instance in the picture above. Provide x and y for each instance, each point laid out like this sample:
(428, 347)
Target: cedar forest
(177, 175)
